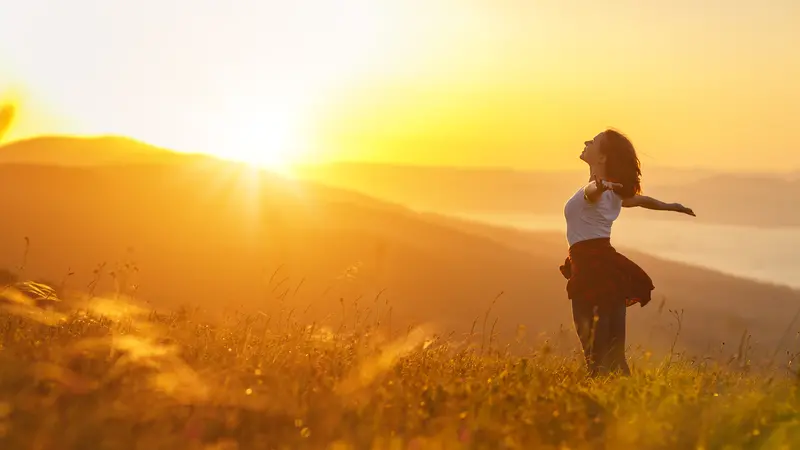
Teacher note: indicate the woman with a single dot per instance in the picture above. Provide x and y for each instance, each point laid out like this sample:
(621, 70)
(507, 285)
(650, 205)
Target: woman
(602, 283)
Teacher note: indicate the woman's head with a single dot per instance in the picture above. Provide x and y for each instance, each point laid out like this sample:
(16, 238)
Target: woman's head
(615, 155)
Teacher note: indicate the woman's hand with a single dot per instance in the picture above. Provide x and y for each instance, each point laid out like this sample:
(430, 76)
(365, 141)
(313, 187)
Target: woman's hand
(603, 185)
(594, 190)
(682, 209)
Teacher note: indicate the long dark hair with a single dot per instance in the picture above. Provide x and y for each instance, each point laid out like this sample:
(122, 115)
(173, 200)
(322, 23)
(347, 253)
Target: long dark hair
(622, 164)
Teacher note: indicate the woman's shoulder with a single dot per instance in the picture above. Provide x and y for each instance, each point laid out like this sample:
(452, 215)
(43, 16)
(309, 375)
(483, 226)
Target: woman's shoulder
(612, 198)
(609, 202)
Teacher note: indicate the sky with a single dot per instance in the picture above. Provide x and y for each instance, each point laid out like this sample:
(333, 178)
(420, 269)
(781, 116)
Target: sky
(515, 83)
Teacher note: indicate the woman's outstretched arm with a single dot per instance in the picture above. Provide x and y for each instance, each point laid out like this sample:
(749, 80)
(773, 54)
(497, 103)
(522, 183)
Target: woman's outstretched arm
(646, 202)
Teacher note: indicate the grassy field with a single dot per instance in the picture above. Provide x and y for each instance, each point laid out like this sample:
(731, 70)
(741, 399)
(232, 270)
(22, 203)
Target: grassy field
(108, 374)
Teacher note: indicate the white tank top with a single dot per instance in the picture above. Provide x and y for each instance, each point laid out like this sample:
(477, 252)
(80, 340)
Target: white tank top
(587, 220)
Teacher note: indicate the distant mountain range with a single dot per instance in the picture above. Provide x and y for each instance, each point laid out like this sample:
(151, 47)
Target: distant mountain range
(186, 230)
(756, 199)
(741, 199)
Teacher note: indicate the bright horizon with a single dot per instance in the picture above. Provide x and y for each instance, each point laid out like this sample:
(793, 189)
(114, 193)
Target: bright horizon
(462, 83)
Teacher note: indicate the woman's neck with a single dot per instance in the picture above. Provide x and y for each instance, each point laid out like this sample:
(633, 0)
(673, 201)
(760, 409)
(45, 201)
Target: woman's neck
(598, 172)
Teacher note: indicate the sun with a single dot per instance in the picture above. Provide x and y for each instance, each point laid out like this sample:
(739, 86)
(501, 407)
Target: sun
(268, 148)
(264, 90)
(266, 140)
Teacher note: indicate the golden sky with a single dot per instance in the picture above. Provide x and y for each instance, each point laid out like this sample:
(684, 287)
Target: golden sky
(517, 83)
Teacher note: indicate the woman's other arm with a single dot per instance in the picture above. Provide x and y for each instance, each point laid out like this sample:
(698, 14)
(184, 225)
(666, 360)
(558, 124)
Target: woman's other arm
(646, 202)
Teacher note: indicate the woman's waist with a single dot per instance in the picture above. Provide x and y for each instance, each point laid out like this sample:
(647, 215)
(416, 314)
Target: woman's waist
(595, 254)
(582, 232)
(591, 247)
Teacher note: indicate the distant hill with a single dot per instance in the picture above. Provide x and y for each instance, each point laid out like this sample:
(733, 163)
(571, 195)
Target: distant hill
(334, 170)
(742, 199)
(221, 236)
(79, 151)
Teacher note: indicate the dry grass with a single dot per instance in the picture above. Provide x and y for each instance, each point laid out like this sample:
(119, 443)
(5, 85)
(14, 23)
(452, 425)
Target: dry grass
(107, 374)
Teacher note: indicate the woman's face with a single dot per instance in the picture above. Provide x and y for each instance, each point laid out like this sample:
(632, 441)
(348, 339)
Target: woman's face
(591, 151)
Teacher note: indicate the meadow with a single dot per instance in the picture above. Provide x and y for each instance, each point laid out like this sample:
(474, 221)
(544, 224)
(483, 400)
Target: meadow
(109, 373)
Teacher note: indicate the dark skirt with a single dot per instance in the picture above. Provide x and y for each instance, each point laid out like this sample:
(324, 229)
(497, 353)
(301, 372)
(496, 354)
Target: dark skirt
(596, 272)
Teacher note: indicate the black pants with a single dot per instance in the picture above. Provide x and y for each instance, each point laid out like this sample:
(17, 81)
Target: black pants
(601, 330)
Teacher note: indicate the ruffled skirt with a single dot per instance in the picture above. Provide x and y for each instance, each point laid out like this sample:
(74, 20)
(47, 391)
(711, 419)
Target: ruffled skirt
(596, 273)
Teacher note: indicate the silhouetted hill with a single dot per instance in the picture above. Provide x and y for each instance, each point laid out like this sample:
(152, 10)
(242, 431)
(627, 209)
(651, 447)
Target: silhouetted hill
(744, 199)
(80, 151)
(221, 235)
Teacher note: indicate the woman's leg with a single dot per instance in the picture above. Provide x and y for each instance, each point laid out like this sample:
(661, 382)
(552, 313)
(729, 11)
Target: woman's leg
(592, 328)
(616, 362)
(601, 330)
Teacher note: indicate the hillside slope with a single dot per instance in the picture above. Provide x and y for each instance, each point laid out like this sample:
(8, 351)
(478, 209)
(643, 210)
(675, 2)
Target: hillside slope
(221, 236)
